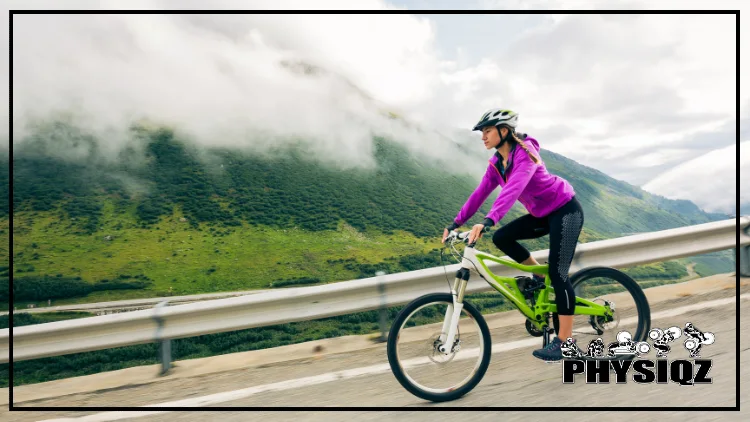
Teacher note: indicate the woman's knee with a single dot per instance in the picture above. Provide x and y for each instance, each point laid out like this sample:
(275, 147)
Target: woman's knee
(510, 246)
(501, 238)
(502, 241)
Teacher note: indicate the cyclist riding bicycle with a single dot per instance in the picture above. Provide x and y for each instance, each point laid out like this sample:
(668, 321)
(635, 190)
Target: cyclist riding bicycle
(550, 200)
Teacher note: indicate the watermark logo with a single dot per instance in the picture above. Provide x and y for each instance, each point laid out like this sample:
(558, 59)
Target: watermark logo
(696, 339)
(597, 362)
(662, 338)
(624, 346)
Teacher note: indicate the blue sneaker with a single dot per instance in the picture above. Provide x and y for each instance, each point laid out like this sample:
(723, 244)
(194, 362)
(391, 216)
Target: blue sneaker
(552, 352)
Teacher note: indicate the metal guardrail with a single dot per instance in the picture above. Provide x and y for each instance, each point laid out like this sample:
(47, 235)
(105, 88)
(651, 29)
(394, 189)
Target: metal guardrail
(743, 253)
(306, 303)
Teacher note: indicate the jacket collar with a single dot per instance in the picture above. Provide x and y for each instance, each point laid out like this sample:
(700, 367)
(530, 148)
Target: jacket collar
(510, 156)
(498, 164)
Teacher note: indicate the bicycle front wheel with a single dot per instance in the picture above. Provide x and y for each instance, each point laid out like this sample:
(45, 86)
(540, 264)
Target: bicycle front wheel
(413, 349)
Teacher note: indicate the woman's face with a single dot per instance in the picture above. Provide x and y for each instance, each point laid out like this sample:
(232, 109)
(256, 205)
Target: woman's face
(491, 136)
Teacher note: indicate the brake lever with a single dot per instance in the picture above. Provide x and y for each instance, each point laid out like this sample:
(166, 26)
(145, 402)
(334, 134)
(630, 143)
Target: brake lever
(486, 229)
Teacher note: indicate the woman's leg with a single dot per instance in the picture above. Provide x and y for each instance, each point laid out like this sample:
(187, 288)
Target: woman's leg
(525, 227)
(565, 228)
(532, 261)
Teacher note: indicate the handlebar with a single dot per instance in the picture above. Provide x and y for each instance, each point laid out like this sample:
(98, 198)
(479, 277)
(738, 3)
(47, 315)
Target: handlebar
(463, 236)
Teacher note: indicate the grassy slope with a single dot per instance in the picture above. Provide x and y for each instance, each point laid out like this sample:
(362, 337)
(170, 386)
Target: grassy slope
(245, 257)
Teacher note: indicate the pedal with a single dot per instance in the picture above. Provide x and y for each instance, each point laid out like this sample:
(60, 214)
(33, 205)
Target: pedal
(528, 286)
(535, 285)
(522, 282)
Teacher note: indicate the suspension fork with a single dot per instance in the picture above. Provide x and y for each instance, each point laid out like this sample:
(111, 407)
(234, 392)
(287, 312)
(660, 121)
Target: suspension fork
(453, 313)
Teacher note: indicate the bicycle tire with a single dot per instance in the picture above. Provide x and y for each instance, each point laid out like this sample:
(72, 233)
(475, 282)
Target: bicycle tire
(393, 353)
(639, 297)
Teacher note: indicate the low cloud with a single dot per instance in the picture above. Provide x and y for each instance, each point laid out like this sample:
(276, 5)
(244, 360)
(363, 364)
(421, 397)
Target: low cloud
(699, 179)
(254, 82)
(237, 81)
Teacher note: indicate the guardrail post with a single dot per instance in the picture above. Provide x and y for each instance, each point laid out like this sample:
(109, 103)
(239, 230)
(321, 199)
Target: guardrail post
(383, 309)
(743, 254)
(165, 345)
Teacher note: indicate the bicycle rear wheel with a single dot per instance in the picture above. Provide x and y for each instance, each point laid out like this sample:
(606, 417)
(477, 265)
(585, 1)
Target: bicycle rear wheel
(420, 367)
(598, 336)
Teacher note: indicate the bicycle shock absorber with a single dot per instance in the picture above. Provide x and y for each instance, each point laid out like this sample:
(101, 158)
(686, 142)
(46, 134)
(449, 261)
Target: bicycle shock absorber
(459, 285)
(453, 313)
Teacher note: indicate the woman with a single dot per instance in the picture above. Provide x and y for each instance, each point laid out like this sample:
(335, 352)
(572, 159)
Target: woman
(550, 201)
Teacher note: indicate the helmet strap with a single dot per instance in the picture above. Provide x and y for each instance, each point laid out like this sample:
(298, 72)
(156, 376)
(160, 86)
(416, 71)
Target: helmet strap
(502, 139)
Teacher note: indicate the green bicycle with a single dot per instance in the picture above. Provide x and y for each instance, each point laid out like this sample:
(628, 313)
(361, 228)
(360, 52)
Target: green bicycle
(442, 328)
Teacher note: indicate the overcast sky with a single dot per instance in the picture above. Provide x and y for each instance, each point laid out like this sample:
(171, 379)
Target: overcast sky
(648, 99)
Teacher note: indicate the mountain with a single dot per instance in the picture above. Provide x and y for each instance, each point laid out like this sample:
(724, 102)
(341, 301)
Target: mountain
(193, 220)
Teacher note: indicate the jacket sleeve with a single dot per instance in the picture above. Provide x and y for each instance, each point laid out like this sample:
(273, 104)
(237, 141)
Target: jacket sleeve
(512, 190)
(485, 188)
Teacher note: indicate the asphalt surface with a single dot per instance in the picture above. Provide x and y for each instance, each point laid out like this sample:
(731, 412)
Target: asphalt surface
(514, 379)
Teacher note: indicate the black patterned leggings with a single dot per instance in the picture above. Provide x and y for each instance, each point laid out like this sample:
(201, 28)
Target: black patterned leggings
(563, 226)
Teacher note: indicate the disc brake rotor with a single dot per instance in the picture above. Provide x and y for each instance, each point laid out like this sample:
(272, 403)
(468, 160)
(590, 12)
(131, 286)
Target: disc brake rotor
(432, 348)
(600, 321)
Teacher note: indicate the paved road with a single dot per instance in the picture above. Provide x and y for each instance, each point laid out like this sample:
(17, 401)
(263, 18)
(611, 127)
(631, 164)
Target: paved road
(514, 378)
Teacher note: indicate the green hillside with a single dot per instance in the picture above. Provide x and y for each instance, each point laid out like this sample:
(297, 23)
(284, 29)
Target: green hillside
(170, 218)
(167, 218)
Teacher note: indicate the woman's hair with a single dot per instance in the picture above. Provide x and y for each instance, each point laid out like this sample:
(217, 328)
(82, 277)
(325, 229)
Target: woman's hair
(520, 142)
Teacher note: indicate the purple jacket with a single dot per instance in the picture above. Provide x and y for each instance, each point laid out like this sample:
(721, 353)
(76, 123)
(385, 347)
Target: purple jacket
(536, 189)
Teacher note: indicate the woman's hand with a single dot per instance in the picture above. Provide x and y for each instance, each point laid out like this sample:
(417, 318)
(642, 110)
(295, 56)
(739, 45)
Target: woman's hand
(476, 233)
(448, 229)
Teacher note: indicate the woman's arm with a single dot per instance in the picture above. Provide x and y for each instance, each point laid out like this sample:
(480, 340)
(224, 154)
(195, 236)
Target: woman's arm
(486, 186)
(512, 190)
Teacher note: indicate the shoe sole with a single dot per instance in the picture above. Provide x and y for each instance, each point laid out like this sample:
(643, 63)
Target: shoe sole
(547, 359)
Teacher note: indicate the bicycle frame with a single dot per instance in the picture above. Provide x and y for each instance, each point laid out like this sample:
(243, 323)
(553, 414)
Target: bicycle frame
(508, 287)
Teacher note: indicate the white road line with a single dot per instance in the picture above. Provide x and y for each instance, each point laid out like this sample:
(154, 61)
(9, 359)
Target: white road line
(352, 373)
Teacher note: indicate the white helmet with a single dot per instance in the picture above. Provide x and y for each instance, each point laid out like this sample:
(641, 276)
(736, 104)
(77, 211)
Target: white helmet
(497, 117)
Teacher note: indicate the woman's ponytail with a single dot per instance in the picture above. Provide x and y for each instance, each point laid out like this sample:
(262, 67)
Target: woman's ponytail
(533, 157)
